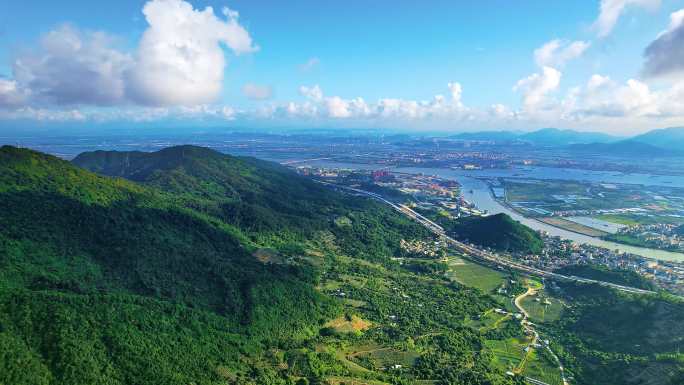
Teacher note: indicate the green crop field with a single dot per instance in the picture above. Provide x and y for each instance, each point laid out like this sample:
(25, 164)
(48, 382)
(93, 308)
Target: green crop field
(559, 195)
(386, 357)
(541, 191)
(474, 275)
(540, 312)
(540, 366)
(487, 321)
(507, 353)
(627, 219)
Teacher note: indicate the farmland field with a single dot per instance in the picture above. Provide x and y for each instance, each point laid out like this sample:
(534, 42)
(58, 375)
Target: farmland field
(384, 358)
(539, 312)
(540, 366)
(474, 275)
(633, 219)
(508, 354)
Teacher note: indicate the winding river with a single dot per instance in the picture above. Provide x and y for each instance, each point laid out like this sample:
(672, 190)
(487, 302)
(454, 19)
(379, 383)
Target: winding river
(481, 195)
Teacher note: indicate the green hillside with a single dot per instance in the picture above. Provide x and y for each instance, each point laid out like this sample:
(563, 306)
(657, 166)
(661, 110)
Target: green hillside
(73, 231)
(269, 203)
(602, 273)
(209, 269)
(613, 338)
(260, 197)
(499, 232)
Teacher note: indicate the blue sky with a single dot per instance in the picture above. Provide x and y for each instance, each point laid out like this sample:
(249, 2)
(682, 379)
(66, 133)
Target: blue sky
(395, 55)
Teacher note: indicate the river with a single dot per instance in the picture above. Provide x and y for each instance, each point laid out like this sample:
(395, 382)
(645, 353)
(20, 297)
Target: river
(481, 195)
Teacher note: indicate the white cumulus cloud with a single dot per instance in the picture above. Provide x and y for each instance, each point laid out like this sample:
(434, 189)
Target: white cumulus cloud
(73, 67)
(179, 60)
(536, 86)
(556, 53)
(313, 93)
(10, 95)
(610, 11)
(319, 106)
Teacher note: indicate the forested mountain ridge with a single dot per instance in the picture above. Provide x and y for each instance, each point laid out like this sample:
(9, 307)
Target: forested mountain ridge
(109, 281)
(74, 231)
(105, 260)
(267, 201)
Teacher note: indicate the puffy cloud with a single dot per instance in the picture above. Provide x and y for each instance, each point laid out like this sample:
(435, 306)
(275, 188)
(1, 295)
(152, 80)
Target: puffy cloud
(456, 91)
(556, 53)
(603, 97)
(73, 67)
(313, 93)
(398, 108)
(320, 106)
(204, 112)
(10, 94)
(610, 11)
(337, 107)
(665, 55)
(180, 60)
(536, 86)
(257, 92)
(500, 112)
(597, 82)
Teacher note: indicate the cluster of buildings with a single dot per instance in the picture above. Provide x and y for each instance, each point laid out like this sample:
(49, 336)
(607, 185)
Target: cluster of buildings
(420, 248)
(433, 193)
(659, 235)
(558, 253)
(427, 192)
(617, 211)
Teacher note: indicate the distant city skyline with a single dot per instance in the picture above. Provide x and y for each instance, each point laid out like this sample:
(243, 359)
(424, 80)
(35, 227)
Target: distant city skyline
(614, 66)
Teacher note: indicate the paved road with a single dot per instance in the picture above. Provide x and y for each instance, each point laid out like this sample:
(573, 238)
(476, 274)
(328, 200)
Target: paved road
(529, 326)
(493, 258)
(484, 255)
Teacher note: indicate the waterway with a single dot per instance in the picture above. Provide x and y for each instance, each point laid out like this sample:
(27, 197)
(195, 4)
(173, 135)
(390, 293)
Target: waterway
(478, 192)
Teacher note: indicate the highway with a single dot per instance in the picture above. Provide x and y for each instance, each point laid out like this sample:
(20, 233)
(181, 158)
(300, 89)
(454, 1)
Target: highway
(484, 255)
(495, 259)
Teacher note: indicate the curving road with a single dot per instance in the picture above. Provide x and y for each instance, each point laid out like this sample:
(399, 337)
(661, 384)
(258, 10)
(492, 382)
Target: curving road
(493, 258)
(484, 255)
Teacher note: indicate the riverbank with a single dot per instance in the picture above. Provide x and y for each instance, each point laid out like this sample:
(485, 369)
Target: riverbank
(478, 192)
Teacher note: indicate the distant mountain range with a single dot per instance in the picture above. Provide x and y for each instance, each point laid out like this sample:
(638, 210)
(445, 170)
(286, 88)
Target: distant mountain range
(672, 138)
(628, 147)
(556, 137)
(493, 136)
(661, 142)
(544, 136)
